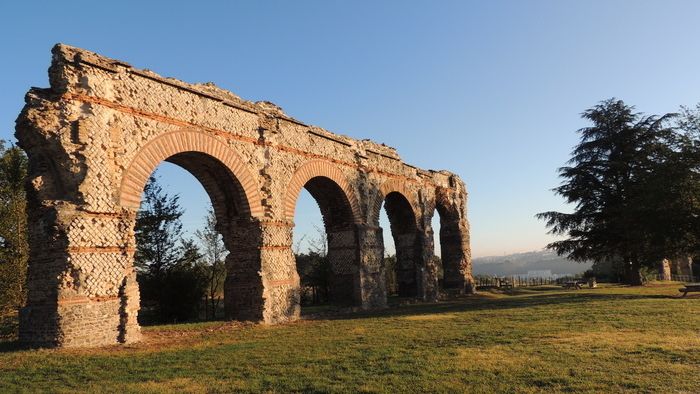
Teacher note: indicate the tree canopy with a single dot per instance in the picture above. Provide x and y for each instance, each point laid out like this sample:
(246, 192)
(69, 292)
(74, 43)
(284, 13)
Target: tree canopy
(170, 275)
(633, 182)
(158, 229)
(214, 259)
(14, 249)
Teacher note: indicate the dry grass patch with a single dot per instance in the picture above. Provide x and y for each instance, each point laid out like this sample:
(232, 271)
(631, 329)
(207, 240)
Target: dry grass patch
(444, 316)
(494, 359)
(628, 339)
(177, 385)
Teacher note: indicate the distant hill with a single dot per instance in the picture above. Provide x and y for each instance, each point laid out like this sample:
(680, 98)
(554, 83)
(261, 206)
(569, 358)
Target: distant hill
(521, 263)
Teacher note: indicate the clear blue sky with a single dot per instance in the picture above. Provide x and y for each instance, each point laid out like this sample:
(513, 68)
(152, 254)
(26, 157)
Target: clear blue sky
(491, 90)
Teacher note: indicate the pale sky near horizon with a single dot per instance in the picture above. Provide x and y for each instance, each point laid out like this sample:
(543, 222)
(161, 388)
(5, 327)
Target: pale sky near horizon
(491, 90)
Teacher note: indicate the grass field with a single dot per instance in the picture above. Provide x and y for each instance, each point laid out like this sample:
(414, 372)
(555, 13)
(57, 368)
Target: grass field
(610, 339)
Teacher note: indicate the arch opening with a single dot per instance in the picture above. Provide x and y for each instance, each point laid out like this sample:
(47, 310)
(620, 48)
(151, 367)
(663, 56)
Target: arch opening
(231, 212)
(403, 270)
(180, 147)
(335, 278)
(223, 188)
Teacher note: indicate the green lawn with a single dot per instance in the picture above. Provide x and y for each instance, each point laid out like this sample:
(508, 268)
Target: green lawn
(610, 339)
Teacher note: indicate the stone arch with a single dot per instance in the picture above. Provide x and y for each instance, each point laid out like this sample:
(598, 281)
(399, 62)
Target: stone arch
(341, 215)
(315, 169)
(453, 238)
(390, 186)
(404, 225)
(234, 195)
(185, 142)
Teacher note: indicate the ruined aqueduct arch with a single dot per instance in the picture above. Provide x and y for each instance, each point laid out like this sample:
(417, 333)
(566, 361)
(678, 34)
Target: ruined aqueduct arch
(95, 136)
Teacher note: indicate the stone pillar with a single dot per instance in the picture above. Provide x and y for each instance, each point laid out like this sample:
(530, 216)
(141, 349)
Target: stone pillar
(682, 266)
(689, 261)
(372, 270)
(262, 284)
(665, 269)
(343, 256)
(453, 256)
(456, 256)
(408, 264)
(427, 265)
(454, 237)
(82, 288)
(357, 277)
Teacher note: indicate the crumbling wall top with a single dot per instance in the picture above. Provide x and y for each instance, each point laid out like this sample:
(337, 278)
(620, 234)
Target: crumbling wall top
(69, 62)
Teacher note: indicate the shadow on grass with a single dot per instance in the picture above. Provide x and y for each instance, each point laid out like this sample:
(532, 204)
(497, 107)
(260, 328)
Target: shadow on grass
(512, 299)
(400, 307)
(11, 346)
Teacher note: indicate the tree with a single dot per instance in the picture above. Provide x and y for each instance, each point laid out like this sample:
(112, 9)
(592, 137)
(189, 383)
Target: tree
(688, 192)
(183, 286)
(392, 286)
(314, 268)
(669, 196)
(608, 180)
(158, 230)
(14, 249)
(214, 259)
(170, 274)
(314, 274)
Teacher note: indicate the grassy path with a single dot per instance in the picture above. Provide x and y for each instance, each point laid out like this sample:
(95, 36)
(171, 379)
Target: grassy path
(612, 339)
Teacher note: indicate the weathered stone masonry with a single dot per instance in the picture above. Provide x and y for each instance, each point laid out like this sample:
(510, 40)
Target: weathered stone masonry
(102, 127)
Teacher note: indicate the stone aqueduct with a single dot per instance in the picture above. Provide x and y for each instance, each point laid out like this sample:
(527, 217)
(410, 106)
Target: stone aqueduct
(101, 128)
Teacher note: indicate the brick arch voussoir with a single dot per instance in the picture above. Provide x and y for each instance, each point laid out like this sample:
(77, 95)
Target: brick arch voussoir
(166, 145)
(391, 186)
(312, 169)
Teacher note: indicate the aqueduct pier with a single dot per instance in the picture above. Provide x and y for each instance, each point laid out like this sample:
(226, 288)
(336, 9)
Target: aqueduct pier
(102, 127)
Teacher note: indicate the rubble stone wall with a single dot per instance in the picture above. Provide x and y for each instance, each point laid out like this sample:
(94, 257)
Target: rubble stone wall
(98, 132)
